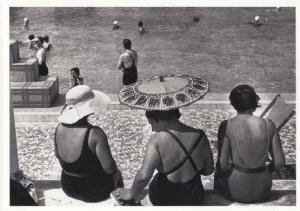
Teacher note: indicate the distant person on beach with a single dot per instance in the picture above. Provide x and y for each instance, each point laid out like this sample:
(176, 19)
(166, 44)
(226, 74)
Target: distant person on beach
(36, 44)
(75, 77)
(46, 43)
(141, 28)
(127, 63)
(244, 144)
(256, 21)
(116, 25)
(275, 9)
(26, 23)
(26, 42)
(89, 171)
(30, 37)
(27, 39)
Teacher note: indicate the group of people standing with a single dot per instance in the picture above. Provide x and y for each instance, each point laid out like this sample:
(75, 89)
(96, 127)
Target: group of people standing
(249, 149)
(41, 47)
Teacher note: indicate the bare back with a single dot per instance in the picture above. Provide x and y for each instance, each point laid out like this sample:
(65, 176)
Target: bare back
(250, 139)
(172, 154)
(69, 141)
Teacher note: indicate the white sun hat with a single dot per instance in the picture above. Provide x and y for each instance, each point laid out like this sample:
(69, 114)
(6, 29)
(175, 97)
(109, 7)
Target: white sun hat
(115, 23)
(256, 18)
(81, 101)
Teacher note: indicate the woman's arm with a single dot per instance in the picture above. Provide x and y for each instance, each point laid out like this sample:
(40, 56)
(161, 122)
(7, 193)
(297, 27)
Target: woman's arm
(120, 63)
(224, 149)
(31, 44)
(276, 148)
(72, 82)
(209, 161)
(150, 162)
(98, 143)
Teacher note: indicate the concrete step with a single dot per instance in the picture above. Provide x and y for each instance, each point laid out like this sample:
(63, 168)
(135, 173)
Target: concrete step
(283, 194)
(211, 101)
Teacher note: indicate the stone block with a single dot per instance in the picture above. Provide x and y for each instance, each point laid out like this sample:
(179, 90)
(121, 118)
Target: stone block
(18, 93)
(24, 70)
(14, 51)
(34, 94)
(55, 80)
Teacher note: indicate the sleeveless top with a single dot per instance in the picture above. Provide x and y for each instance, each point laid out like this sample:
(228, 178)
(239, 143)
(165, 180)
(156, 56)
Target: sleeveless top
(87, 164)
(263, 160)
(85, 179)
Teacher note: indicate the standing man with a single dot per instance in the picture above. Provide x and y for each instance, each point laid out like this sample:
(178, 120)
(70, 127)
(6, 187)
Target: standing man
(127, 63)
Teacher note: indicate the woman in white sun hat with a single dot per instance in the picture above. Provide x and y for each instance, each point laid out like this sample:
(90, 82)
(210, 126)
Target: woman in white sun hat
(89, 172)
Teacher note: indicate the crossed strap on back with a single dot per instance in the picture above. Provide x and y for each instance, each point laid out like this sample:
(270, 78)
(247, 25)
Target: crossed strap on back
(187, 153)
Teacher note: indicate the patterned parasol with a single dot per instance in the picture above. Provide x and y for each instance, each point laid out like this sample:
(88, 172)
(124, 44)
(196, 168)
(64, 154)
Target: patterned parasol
(164, 92)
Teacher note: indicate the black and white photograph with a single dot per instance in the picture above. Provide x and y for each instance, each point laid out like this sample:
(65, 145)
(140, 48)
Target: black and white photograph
(150, 106)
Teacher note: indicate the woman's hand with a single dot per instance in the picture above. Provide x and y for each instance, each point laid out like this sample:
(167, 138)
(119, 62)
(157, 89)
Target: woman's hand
(118, 179)
(125, 197)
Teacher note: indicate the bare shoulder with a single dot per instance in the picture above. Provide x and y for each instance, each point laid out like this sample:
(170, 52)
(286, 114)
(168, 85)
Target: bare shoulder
(96, 133)
(158, 137)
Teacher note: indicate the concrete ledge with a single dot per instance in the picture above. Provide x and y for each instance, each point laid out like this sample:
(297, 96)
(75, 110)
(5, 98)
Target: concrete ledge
(211, 101)
(283, 194)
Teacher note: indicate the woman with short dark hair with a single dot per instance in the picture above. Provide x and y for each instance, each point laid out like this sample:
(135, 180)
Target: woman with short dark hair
(244, 143)
(181, 154)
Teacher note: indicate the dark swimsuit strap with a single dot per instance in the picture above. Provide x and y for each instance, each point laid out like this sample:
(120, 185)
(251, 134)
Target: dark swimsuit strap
(187, 153)
(85, 147)
(130, 54)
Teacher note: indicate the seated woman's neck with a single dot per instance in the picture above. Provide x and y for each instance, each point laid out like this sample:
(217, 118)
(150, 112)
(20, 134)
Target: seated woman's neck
(249, 112)
(172, 124)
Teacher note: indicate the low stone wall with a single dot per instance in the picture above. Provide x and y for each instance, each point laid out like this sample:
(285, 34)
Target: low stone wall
(14, 51)
(35, 94)
(24, 70)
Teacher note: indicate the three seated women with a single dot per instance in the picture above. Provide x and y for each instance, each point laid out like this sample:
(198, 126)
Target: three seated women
(179, 153)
